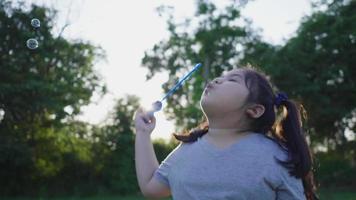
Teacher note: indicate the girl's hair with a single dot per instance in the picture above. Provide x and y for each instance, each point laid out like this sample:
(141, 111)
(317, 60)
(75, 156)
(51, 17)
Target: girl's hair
(286, 130)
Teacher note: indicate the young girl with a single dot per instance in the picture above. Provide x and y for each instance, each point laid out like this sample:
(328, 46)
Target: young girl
(242, 151)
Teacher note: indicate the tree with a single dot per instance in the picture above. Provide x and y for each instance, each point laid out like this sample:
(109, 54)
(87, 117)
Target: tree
(40, 89)
(119, 167)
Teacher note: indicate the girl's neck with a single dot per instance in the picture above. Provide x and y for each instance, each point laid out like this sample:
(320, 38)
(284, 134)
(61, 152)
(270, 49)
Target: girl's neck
(226, 132)
(222, 137)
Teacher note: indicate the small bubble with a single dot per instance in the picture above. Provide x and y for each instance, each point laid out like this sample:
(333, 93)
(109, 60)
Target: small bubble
(35, 23)
(32, 43)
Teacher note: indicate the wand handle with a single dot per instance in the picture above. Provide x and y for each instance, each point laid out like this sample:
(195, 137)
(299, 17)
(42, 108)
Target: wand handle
(180, 83)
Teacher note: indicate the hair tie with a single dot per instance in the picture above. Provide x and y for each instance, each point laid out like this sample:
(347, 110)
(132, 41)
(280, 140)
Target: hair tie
(281, 97)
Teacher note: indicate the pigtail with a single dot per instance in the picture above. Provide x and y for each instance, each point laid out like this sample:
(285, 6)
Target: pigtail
(291, 132)
(300, 160)
(194, 134)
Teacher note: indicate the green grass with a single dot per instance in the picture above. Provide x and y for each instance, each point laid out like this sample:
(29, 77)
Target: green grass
(331, 194)
(325, 194)
(103, 197)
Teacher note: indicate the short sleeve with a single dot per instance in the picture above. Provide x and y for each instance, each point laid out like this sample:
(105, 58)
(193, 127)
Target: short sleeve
(291, 188)
(163, 170)
(285, 186)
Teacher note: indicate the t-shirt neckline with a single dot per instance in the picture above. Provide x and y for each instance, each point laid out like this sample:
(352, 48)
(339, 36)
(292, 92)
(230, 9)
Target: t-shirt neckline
(217, 150)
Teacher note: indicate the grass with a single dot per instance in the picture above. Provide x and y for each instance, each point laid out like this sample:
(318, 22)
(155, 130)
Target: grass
(102, 197)
(332, 194)
(328, 194)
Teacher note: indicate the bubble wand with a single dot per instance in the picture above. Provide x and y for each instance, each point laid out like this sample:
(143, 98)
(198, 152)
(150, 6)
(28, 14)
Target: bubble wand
(156, 106)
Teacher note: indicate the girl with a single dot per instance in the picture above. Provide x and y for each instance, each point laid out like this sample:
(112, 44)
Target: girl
(242, 151)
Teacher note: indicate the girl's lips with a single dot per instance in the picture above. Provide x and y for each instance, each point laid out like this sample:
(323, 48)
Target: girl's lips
(208, 88)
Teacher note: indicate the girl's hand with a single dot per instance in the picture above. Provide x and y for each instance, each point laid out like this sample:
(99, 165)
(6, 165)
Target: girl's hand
(144, 123)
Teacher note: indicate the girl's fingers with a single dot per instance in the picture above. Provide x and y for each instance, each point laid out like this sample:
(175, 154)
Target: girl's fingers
(153, 120)
(138, 113)
(146, 117)
(149, 118)
(144, 121)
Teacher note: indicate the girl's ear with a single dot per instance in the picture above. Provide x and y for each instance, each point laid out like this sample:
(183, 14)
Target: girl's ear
(255, 111)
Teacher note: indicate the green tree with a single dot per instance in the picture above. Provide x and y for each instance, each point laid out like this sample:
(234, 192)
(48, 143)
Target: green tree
(40, 90)
(119, 167)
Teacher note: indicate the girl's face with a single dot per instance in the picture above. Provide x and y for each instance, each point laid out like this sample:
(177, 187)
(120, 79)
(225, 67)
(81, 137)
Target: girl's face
(225, 95)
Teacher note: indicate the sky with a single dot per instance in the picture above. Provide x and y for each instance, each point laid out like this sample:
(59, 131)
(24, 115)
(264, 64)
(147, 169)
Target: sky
(126, 29)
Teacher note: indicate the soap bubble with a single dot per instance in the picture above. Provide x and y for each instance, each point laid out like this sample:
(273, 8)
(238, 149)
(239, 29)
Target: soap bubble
(32, 43)
(2, 114)
(35, 23)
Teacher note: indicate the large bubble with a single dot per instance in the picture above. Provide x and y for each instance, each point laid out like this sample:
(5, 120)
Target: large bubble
(32, 43)
(35, 23)
(2, 114)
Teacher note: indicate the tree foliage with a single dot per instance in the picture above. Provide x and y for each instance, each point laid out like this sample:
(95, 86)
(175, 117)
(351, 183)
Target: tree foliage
(41, 90)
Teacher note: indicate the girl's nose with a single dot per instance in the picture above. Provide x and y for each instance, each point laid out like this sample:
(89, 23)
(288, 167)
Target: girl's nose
(217, 80)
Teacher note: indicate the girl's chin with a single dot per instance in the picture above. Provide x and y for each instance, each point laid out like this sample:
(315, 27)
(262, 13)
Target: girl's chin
(206, 93)
(205, 96)
(207, 100)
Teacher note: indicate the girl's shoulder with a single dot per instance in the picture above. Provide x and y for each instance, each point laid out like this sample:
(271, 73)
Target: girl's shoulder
(270, 147)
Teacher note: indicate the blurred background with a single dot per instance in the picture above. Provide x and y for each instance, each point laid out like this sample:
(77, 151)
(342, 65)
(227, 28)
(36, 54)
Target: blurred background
(72, 74)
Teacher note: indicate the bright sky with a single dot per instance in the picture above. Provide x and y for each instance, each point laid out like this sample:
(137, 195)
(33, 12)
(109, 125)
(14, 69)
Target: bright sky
(126, 29)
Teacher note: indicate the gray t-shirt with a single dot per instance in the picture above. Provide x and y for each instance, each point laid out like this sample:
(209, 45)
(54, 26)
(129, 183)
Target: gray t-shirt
(241, 171)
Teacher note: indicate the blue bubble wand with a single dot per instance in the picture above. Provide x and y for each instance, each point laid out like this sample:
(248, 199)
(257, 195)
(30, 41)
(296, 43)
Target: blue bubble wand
(156, 106)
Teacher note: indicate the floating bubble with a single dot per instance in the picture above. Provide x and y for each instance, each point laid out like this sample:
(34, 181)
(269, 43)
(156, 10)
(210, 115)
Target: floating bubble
(35, 23)
(32, 43)
(2, 114)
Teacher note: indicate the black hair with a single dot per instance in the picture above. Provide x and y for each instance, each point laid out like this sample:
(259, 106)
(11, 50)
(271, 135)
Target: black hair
(286, 130)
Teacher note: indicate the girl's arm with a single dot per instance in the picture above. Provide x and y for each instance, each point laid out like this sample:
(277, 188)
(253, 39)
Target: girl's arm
(145, 158)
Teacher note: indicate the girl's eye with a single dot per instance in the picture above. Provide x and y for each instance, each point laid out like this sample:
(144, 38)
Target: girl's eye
(232, 80)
